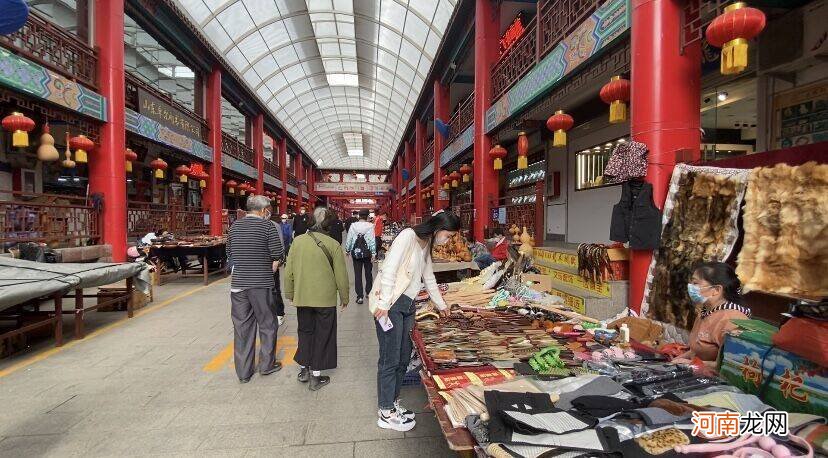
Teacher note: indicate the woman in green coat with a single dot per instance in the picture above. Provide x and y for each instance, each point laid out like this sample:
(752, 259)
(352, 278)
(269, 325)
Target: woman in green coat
(315, 274)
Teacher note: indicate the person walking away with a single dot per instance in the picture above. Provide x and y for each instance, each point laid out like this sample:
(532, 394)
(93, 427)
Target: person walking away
(360, 244)
(336, 229)
(407, 265)
(314, 275)
(301, 223)
(379, 227)
(253, 245)
(287, 232)
(351, 220)
(500, 252)
(278, 302)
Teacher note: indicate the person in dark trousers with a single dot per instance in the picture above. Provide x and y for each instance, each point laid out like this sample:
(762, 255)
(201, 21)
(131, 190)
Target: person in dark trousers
(278, 302)
(336, 229)
(361, 246)
(254, 249)
(287, 232)
(351, 220)
(301, 222)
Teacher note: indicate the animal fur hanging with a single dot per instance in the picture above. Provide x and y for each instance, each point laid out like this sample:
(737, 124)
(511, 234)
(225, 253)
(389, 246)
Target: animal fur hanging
(700, 213)
(785, 248)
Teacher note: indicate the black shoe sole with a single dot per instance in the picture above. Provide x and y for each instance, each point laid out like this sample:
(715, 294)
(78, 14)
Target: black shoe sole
(318, 386)
(244, 380)
(272, 370)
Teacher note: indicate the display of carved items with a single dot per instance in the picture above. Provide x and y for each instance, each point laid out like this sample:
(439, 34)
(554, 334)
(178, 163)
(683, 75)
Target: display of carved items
(527, 243)
(785, 248)
(700, 228)
(594, 262)
(515, 232)
(455, 250)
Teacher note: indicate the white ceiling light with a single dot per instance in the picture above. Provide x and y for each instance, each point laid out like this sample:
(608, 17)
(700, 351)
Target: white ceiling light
(353, 143)
(319, 162)
(342, 79)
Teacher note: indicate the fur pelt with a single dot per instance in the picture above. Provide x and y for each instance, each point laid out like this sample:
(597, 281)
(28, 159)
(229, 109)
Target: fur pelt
(696, 231)
(785, 247)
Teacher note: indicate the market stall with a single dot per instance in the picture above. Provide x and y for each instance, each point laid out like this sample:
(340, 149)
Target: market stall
(210, 251)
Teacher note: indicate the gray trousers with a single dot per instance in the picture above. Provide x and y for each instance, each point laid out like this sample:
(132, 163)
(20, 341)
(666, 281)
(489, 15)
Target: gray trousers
(250, 308)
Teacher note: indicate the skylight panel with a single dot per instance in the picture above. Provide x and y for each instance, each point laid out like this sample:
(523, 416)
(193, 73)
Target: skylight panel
(343, 79)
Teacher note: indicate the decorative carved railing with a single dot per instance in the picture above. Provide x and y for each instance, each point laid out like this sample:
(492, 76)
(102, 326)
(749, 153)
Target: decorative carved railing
(291, 178)
(428, 152)
(58, 220)
(49, 44)
(696, 16)
(272, 169)
(232, 147)
(133, 82)
(526, 210)
(144, 217)
(515, 62)
(462, 118)
(559, 17)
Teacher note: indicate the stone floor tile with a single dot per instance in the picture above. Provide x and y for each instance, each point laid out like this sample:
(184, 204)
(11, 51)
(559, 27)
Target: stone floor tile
(28, 424)
(49, 445)
(342, 450)
(258, 435)
(427, 426)
(356, 429)
(156, 441)
(403, 448)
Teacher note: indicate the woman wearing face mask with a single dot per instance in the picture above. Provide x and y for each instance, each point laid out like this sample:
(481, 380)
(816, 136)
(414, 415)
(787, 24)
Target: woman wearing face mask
(407, 265)
(714, 287)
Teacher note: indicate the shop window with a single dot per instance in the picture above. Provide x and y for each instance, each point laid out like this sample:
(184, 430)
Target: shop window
(591, 162)
(530, 175)
(729, 119)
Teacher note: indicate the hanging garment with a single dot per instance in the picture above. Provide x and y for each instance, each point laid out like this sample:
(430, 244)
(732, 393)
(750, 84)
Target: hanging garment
(627, 161)
(635, 218)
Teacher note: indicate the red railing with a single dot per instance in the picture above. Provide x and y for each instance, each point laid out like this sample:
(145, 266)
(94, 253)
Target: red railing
(462, 118)
(291, 179)
(58, 220)
(515, 62)
(144, 217)
(272, 169)
(525, 210)
(48, 44)
(232, 147)
(428, 152)
(134, 82)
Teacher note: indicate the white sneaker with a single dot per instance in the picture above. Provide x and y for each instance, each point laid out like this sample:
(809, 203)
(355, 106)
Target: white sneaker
(395, 421)
(281, 320)
(407, 413)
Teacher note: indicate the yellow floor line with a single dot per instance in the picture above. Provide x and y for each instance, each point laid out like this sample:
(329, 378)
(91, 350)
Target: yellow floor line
(225, 357)
(55, 350)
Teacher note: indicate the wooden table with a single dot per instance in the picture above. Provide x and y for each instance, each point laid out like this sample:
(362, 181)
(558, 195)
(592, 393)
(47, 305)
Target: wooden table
(459, 440)
(447, 272)
(216, 253)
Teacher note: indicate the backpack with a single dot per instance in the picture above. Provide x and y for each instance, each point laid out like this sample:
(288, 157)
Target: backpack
(360, 249)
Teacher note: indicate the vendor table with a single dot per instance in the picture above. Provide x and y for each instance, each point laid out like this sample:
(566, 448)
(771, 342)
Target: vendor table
(215, 254)
(459, 440)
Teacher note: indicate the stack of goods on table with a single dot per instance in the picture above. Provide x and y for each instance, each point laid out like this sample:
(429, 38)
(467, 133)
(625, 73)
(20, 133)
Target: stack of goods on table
(197, 241)
(389, 233)
(455, 250)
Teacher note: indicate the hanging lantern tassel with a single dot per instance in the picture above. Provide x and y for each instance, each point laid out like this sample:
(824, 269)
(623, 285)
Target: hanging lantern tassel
(159, 165)
(466, 171)
(202, 182)
(455, 179)
(231, 186)
(731, 31)
(616, 93)
(559, 123)
(523, 151)
(497, 153)
(446, 182)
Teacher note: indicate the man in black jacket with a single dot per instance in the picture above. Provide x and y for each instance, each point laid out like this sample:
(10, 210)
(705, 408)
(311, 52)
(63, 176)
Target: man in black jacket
(301, 223)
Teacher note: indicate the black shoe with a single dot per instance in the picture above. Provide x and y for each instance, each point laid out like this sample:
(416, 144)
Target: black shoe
(359, 300)
(244, 380)
(317, 383)
(304, 375)
(277, 366)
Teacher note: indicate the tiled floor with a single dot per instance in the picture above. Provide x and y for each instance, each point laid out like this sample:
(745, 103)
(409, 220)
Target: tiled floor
(163, 384)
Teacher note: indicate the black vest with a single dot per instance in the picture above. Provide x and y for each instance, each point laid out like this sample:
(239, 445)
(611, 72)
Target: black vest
(635, 219)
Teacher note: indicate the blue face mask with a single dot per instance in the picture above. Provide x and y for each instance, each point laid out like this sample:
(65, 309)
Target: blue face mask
(694, 291)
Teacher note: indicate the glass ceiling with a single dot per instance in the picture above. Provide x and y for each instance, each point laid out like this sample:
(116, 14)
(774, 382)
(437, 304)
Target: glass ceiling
(340, 75)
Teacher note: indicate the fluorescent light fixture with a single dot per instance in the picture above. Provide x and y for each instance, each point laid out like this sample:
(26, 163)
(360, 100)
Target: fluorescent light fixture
(360, 177)
(343, 79)
(319, 162)
(353, 143)
(722, 96)
(355, 153)
(388, 163)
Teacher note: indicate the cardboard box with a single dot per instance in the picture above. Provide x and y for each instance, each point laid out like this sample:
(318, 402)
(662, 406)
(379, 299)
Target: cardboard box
(542, 283)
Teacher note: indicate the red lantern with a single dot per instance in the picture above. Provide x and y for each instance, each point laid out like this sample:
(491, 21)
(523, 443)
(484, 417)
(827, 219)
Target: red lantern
(446, 182)
(616, 93)
(130, 157)
(731, 32)
(466, 170)
(20, 125)
(497, 153)
(243, 188)
(523, 151)
(231, 186)
(455, 179)
(82, 145)
(559, 123)
(159, 165)
(183, 173)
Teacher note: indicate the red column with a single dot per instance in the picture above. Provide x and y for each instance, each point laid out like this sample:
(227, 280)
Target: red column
(283, 172)
(419, 145)
(215, 189)
(300, 175)
(441, 111)
(408, 164)
(665, 105)
(258, 149)
(107, 174)
(311, 179)
(395, 183)
(485, 53)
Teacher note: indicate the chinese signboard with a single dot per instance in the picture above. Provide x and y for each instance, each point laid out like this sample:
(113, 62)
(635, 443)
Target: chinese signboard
(161, 111)
(352, 187)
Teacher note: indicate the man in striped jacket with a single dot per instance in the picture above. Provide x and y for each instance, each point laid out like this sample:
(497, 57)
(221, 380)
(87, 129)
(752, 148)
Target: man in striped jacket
(254, 248)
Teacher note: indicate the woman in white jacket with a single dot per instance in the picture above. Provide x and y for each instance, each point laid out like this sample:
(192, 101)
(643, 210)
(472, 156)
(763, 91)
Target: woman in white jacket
(407, 265)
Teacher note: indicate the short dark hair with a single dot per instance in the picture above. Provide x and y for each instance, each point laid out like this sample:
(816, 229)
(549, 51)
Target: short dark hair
(441, 221)
(497, 230)
(721, 274)
(363, 214)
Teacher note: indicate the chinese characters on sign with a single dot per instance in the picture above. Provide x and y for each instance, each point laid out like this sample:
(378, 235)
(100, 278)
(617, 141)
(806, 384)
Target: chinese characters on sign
(161, 111)
(715, 425)
(512, 34)
(352, 187)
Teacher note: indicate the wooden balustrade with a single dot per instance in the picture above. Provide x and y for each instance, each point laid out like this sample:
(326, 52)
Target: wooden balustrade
(557, 18)
(515, 62)
(428, 152)
(58, 220)
(462, 118)
(291, 178)
(135, 82)
(48, 44)
(272, 169)
(233, 147)
(144, 217)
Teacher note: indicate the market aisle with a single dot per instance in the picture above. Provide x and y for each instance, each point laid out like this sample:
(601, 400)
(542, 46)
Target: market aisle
(163, 384)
